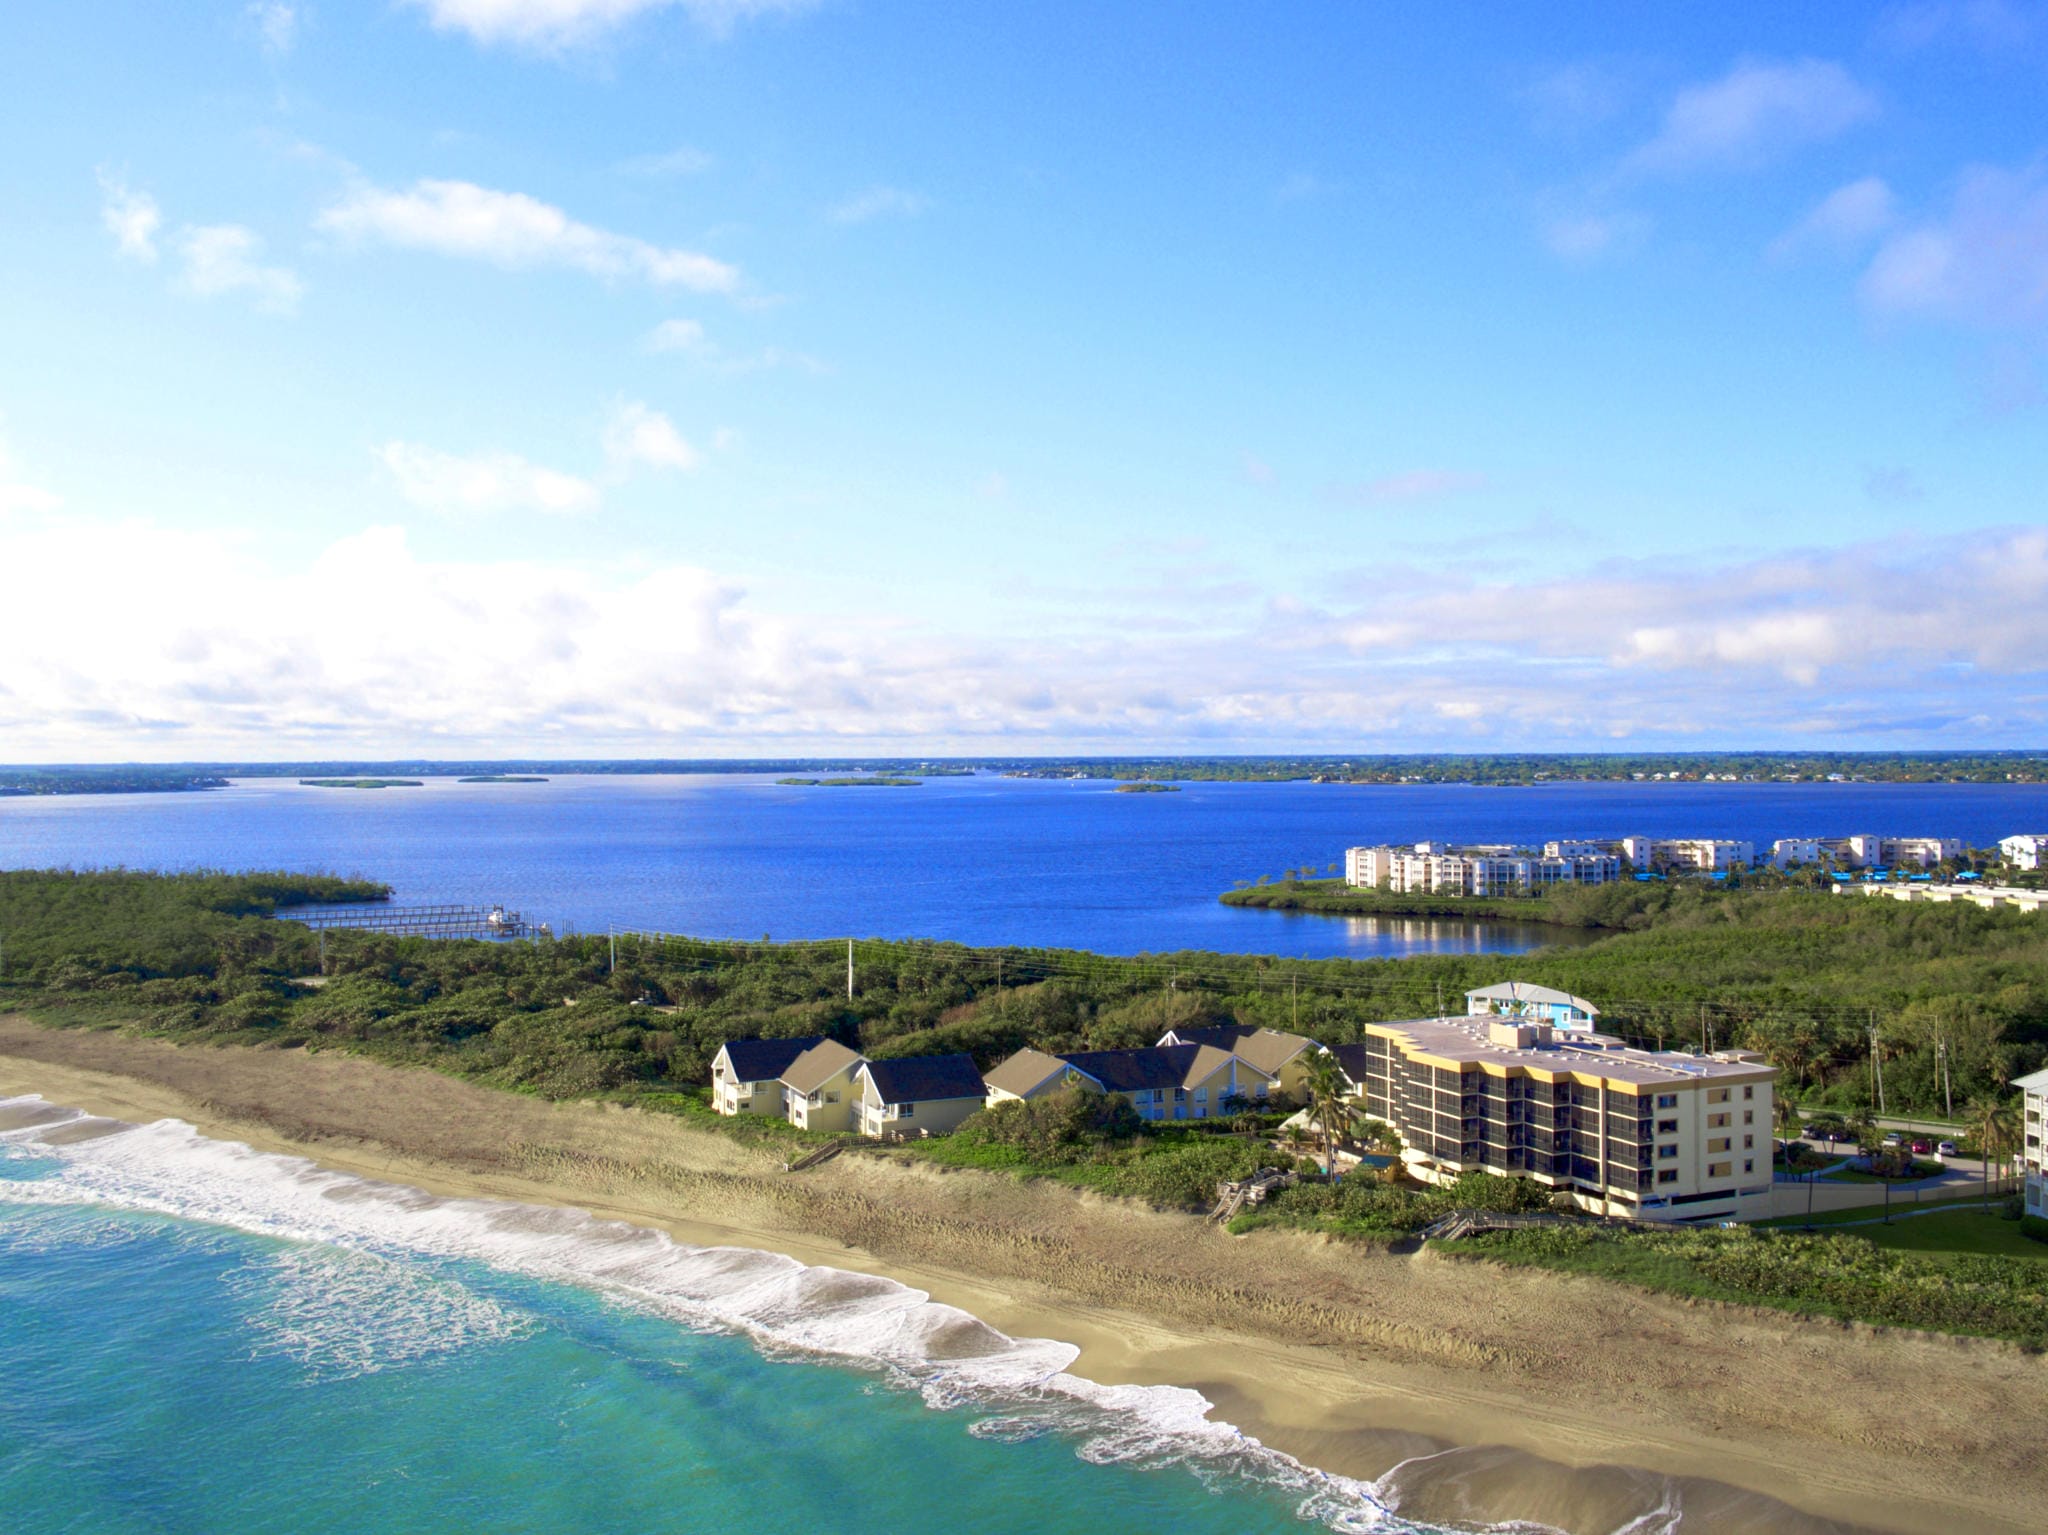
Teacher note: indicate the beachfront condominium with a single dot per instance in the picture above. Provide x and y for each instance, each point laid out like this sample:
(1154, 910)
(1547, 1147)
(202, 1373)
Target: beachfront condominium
(1688, 855)
(1648, 1133)
(2028, 850)
(1436, 868)
(1866, 850)
(2033, 1131)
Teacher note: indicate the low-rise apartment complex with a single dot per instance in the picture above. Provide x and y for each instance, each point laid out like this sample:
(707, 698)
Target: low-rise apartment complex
(2028, 850)
(1436, 868)
(1645, 1133)
(1989, 896)
(1688, 855)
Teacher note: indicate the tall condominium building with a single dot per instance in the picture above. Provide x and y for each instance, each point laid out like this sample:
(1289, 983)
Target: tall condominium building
(1646, 1133)
(1438, 869)
(2033, 1131)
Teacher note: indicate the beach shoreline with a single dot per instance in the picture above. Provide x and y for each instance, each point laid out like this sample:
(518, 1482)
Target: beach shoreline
(1552, 1397)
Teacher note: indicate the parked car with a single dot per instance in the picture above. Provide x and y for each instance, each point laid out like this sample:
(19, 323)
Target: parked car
(1945, 1149)
(1895, 1139)
(1921, 1148)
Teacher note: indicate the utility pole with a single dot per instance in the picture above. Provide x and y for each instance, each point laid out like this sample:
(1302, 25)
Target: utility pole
(1876, 1071)
(1948, 1096)
(849, 969)
(1297, 1004)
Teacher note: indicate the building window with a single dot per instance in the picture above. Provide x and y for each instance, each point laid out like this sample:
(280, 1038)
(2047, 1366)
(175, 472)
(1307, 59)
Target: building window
(1717, 1145)
(906, 1111)
(1667, 1127)
(1720, 1169)
(1749, 1143)
(1668, 1175)
(1717, 1121)
(1748, 1165)
(1717, 1095)
(1667, 1100)
(1667, 1153)
(1749, 1116)
(1749, 1092)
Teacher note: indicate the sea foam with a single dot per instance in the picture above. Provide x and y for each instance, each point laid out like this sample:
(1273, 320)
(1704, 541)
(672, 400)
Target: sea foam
(355, 1231)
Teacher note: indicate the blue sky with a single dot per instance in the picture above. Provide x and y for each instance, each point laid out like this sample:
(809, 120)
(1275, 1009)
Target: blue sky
(725, 376)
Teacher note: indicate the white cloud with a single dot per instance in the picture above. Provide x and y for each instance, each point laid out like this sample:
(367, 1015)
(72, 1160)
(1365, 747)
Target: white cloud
(878, 202)
(277, 23)
(675, 162)
(1985, 263)
(638, 436)
(1586, 237)
(1755, 112)
(688, 338)
(676, 336)
(510, 229)
(131, 217)
(1845, 220)
(483, 484)
(1574, 98)
(194, 646)
(223, 258)
(555, 24)
(1995, 26)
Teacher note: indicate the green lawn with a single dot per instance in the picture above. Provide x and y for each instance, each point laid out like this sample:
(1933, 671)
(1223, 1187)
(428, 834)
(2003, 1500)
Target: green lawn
(1900, 1205)
(1921, 1170)
(1956, 1232)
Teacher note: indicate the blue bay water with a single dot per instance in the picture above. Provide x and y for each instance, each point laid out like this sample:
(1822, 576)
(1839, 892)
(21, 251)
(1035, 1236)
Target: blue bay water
(983, 860)
(197, 1337)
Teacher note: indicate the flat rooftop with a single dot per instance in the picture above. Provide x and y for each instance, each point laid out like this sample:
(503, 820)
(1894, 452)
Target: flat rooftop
(1463, 1040)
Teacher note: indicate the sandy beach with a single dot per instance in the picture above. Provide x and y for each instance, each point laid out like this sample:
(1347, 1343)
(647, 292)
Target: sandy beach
(1509, 1394)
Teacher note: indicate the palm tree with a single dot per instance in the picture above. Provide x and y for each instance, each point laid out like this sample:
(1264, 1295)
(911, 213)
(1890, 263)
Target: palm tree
(1330, 1102)
(1995, 1127)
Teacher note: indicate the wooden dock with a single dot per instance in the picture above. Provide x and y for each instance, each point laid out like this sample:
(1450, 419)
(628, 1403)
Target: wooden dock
(490, 922)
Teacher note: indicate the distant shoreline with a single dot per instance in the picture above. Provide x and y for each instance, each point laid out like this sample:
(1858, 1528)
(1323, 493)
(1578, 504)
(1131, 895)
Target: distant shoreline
(1999, 766)
(1334, 898)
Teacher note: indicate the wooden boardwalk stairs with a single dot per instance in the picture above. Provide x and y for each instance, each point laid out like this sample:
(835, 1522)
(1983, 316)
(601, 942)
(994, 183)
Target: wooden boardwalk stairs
(813, 1158)
(1233, 1198)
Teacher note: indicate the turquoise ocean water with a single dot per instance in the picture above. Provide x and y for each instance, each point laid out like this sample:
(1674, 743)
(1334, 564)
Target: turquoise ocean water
(195, 1336)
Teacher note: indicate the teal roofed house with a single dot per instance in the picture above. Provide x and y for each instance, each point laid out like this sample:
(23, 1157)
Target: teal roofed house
(1542, 1004)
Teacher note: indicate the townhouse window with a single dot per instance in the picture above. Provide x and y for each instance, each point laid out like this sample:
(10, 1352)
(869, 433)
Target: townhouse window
(906, 1111)
(1668, 1175)
(1180, 1095)
(1201, 1095)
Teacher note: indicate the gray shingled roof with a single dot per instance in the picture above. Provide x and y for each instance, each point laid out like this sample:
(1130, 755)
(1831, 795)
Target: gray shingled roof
(1132, 1071)
(1025, 1072)
(818, 1065)
(1352, 1059)
(1267, 1049)
(765, 1060)
(924, 1078)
